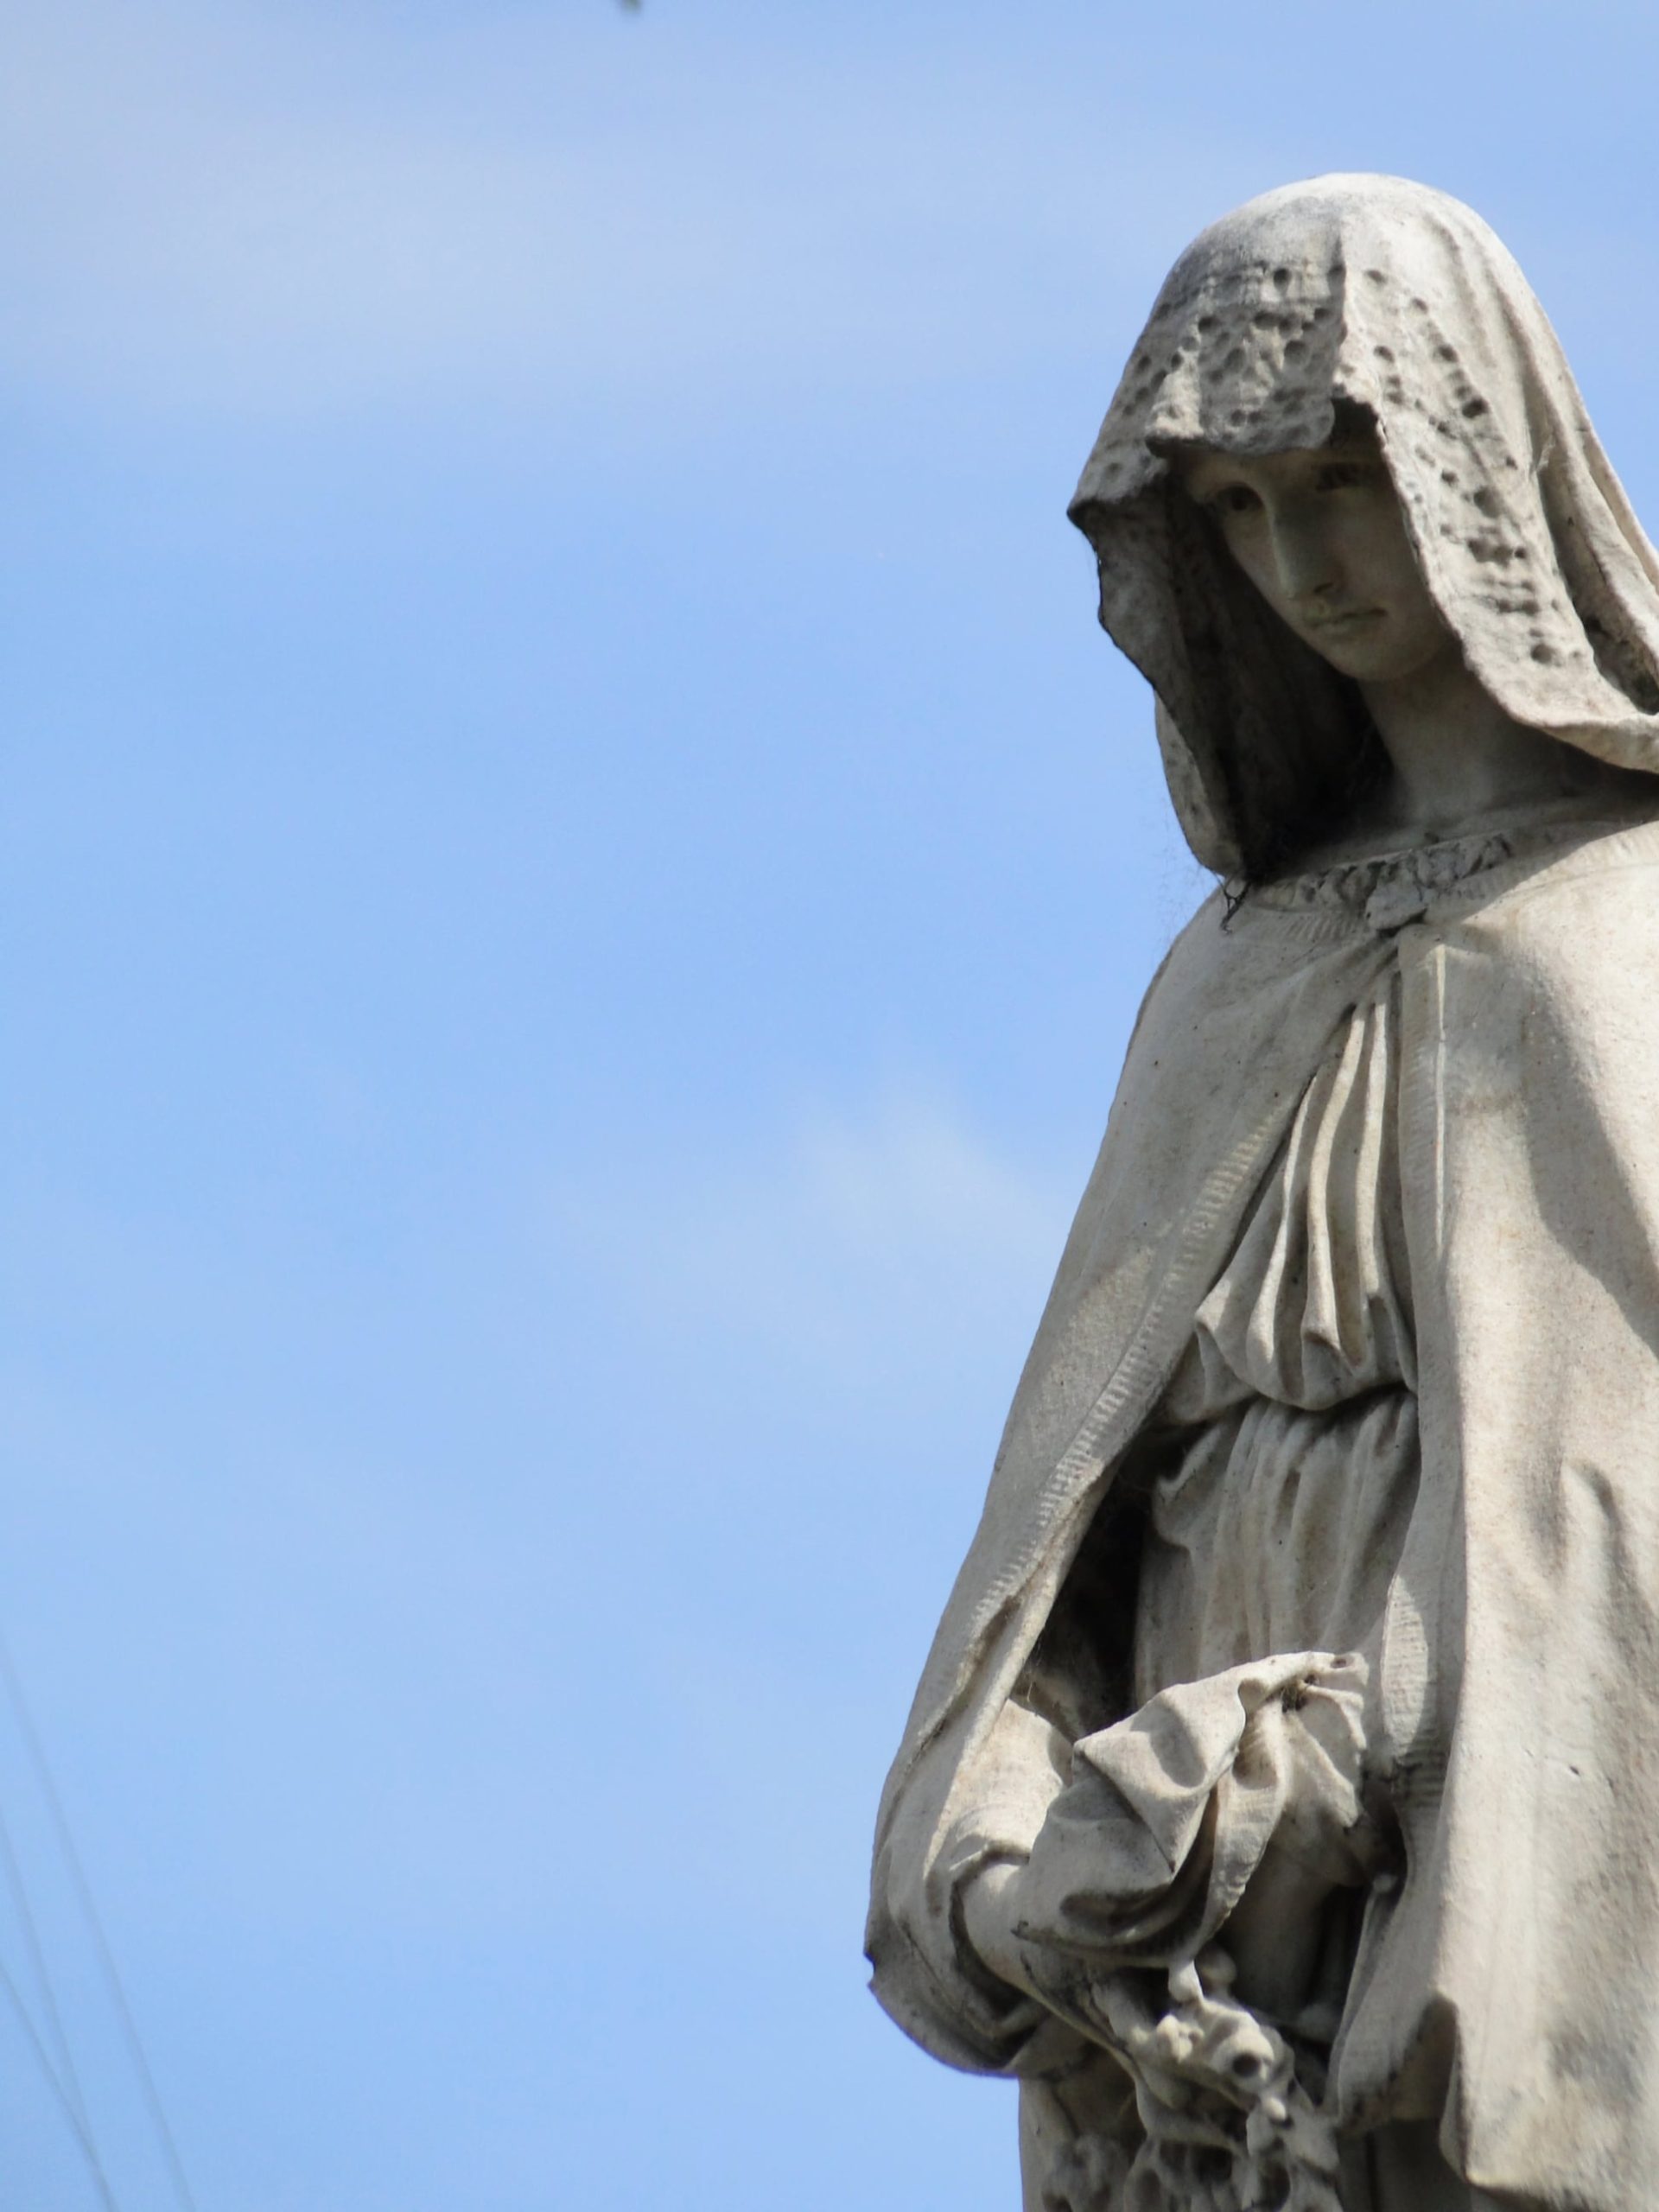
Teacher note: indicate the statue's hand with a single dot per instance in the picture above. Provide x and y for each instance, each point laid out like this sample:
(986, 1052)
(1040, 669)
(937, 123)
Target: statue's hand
(1216, 2089)
(987, 1913)
(993, 1905)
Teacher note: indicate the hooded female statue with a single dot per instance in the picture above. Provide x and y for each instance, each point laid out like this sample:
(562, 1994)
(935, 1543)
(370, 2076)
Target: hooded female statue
(1281, 1800)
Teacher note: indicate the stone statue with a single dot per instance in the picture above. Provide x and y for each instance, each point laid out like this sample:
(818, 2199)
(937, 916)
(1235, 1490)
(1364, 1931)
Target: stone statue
(1281, 1801)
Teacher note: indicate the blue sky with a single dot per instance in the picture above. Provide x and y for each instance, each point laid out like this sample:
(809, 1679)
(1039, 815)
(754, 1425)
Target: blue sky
(577, 872)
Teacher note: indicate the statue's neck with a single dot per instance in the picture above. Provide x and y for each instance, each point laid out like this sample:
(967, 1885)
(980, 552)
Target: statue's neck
(1455, 757)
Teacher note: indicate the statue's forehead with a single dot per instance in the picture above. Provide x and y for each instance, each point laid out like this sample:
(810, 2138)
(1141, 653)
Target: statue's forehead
(1200, 467)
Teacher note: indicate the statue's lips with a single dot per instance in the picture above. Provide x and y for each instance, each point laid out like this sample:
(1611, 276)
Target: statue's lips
(1340, 626)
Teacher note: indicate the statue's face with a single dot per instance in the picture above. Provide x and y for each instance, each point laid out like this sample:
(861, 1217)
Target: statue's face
(1318, 532)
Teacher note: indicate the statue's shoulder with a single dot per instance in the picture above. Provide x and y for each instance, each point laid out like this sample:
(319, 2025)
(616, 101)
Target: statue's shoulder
(1563, 957)
(1240, 943)
(1200, 967)
(1572, 896)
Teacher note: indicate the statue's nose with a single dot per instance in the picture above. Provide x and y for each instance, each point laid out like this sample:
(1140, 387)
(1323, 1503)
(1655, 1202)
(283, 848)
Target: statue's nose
(1304, 559)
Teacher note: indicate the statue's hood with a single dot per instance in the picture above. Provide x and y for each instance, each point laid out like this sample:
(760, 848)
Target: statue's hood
(1380, 292)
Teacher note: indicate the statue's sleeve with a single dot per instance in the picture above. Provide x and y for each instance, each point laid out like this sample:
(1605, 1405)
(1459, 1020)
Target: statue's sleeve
(1022, 1663)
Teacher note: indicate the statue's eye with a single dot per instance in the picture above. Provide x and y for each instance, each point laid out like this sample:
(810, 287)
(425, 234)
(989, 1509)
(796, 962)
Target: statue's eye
(1345, 475)
(1233, 499)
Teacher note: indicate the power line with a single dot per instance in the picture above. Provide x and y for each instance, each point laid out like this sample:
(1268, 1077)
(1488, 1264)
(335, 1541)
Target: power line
(19, 1887)
(81, 2133)
(101, 1942)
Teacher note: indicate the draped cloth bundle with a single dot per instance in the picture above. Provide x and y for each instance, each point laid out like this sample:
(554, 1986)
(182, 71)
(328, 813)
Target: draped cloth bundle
(1142, 1858)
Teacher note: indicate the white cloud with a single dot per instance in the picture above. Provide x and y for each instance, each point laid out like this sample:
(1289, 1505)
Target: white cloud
(862, 1242)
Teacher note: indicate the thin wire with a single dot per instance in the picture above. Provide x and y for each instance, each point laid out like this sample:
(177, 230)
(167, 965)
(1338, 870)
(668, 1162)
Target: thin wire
(106, 1956)
(89, 2149)
(19, 1889)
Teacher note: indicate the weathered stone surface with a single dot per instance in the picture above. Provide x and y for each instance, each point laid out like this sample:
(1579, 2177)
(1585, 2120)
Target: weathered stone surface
(1278, 1801)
